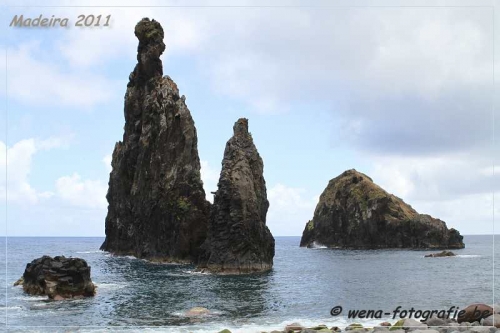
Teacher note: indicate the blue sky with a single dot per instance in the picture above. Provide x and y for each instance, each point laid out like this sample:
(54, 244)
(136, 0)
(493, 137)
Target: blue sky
(402, 94)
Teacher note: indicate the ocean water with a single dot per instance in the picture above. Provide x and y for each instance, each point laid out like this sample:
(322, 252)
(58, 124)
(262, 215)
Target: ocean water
(304, 285)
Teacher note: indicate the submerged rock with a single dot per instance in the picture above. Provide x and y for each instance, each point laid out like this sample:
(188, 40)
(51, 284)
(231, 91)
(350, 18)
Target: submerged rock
(238, 239)
(354, 212)
(197, 311)
(58, 277)
(440, 254)
(157, 208)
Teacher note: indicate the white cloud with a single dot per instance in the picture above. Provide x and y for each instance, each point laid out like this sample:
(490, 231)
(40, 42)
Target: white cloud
(18, 160)
(36, 77)
(81, 193)
(456, 188)
(70, 189)
(434, 178)
(51, 142)
(210, 178)
(107, 162)
(90, 48)
(289, 210)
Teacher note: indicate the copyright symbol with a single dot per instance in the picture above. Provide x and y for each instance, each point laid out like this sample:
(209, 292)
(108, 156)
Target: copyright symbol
(335, 311)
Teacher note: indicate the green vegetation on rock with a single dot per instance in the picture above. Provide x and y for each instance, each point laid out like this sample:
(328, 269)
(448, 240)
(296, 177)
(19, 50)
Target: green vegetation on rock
(310, 225)
(398, 325)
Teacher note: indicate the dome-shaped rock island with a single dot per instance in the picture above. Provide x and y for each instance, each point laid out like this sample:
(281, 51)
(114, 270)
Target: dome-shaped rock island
(355, 213)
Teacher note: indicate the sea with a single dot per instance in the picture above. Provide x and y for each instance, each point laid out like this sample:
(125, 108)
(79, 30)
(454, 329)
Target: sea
(134, 295)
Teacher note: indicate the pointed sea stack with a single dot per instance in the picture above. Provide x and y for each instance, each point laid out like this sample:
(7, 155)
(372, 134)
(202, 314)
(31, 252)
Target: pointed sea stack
(157, 208)
(355, 213)
(239, 241)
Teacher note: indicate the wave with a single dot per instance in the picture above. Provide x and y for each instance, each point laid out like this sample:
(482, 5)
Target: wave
(130, 257)
(15, 307)
(467, 256)
(197, 272)
(89, 252)
(110, 286)
(264, 325)
(316, 245)
(30, 298)
(211, 313)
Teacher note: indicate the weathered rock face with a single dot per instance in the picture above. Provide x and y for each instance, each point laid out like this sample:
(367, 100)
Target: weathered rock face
(238, 239)
(58, 277)
(157, 208)
(353, 212)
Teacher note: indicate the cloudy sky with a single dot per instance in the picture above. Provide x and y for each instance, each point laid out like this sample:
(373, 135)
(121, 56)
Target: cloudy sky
(403, 94)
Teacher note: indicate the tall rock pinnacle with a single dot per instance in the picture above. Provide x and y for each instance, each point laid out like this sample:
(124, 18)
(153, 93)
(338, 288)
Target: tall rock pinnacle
(238, 239)
(157, 207)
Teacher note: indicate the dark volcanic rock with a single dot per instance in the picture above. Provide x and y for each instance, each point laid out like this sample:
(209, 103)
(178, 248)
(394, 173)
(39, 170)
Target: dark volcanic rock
(353, 212)
(157, 208)
(58, 277)
(440, 254)
(238, 239)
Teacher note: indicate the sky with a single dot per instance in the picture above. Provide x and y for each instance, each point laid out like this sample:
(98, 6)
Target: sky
(404, 94)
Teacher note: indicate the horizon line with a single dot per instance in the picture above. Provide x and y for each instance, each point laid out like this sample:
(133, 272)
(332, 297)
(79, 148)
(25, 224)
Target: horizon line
(21, 236)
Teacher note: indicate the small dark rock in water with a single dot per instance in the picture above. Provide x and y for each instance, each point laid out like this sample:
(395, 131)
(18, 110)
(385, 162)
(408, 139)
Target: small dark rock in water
(475, 312)
(441, 254)
(355, 213)
(58, 278)
(239, 241)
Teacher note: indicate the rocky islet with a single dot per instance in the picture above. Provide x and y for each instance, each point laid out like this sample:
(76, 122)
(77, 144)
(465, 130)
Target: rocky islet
(355, 213)
(59, 278)
(157, 207)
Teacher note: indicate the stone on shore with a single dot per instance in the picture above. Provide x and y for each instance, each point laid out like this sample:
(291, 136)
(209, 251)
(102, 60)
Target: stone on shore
(475, 312)
(493, 320)
(436, 322)
(293, 327)
(354, 326)
(425, 331)
(58, 278)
